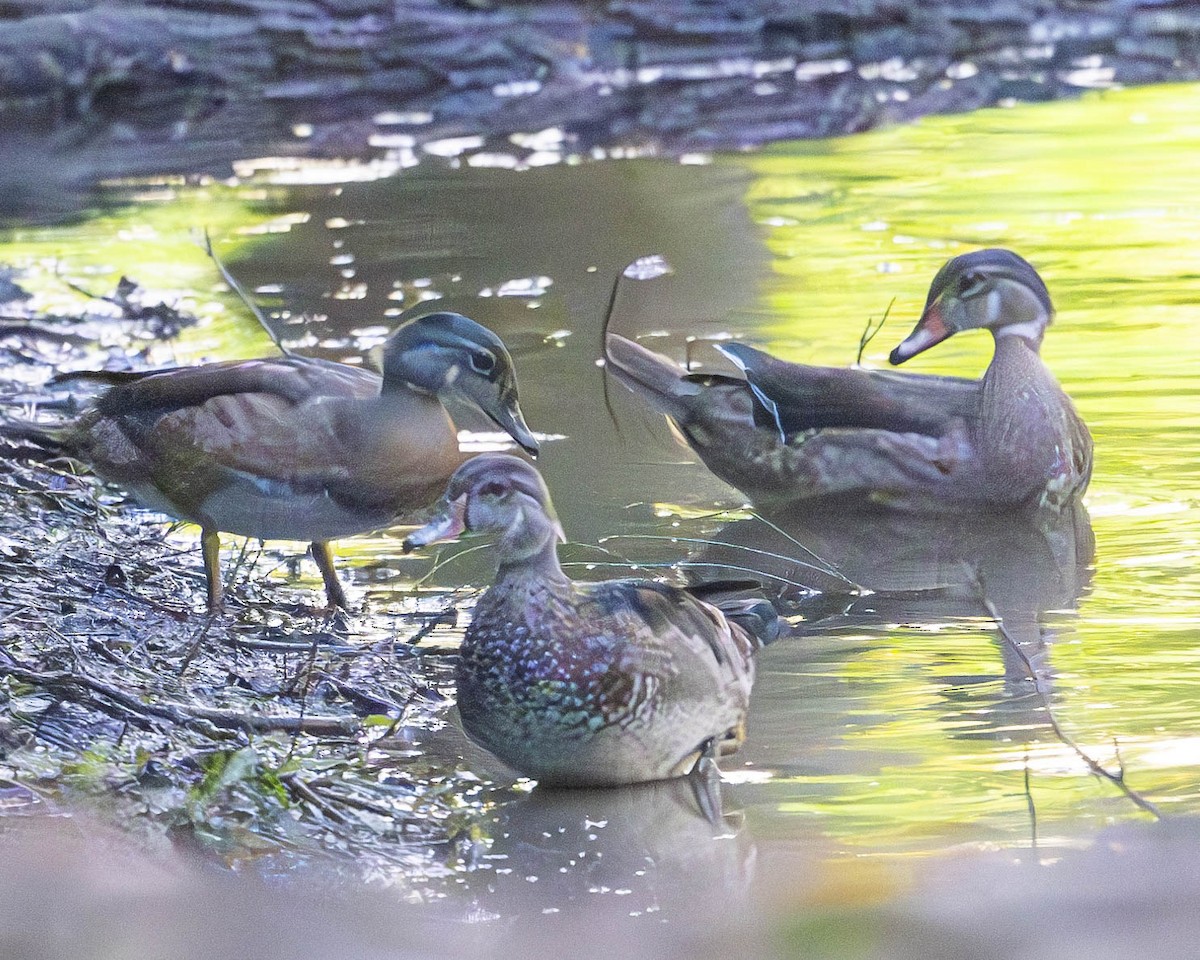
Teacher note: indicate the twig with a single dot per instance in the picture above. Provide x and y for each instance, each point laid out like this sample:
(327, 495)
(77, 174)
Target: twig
(236, 570)
(828, 570)
(869, 333)
(306, 793)
(647, 267)
(237, 288)
(829, 564)
(361, 698)
(308, 676)
(1116, 779)
(193, 646)
(80, 290)
(65, 683)
(686, 565)
(608, 315)
(365, 805)
(287, 646)
(1033, 824)
(13, 327)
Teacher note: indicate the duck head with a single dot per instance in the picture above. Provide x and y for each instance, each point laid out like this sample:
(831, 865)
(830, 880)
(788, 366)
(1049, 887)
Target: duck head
(500, 497)
(990, 289)
(452, 355)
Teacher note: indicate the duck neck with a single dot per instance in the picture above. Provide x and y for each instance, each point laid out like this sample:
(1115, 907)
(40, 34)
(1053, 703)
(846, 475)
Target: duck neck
(1015, 342)
(398, 394)
(1029, 333)
(537, 562)
(396, 385)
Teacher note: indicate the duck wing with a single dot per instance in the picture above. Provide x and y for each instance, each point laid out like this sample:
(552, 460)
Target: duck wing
(264, 433)
(669, 632)
(292, 379)
(796, 397)
(739, 438)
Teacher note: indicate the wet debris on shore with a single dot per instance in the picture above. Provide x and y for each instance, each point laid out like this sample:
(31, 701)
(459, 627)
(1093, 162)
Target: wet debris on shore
(273, 733)
(31, 336)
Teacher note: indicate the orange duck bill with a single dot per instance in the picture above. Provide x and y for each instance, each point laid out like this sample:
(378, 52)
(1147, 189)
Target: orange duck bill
(930, 330)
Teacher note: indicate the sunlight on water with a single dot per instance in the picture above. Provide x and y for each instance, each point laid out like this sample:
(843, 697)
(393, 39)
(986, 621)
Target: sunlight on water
(1102, 197)
(892, 726)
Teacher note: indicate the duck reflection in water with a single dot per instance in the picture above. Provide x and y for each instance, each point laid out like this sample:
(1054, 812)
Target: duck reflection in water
(658, 848)
(838, 567)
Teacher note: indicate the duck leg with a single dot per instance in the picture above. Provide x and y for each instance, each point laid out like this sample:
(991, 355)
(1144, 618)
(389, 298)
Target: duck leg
(333, 587)
(705, 781)
(210, 548)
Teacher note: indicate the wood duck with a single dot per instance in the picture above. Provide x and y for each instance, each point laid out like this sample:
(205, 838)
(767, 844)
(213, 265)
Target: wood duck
(296, 448)
(579, 684)
(790, 432)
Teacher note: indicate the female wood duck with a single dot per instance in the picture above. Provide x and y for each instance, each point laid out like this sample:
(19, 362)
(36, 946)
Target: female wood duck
(791, 432)
(580, 684)
(296, 448)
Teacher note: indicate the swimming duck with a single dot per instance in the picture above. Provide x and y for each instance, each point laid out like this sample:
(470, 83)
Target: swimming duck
(296, 448)
(790, 432)
(579, 684)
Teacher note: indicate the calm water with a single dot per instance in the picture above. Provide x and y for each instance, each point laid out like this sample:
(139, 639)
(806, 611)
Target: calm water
(892, 726)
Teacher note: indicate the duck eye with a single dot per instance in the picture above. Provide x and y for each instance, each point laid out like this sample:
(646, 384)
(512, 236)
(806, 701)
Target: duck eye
(483, 362)
(493, 488)
(970, 284)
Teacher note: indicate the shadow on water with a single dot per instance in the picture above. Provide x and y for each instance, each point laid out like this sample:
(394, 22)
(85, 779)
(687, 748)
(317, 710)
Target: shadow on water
(917, 569)
(1015, 577)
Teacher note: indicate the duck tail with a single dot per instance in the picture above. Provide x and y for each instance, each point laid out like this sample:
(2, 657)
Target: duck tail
(51, 439)
(650, 375)
(757, 616)
(743, 603)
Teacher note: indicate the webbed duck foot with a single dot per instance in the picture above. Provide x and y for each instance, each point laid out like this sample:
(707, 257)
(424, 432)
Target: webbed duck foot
(705, 781)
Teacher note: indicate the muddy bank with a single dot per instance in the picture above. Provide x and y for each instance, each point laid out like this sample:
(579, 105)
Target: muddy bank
(273, 735)
(198, 82)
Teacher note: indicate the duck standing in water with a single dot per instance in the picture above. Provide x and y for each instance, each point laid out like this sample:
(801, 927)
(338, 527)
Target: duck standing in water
(295, 448)
(792, 432)
(588, 684)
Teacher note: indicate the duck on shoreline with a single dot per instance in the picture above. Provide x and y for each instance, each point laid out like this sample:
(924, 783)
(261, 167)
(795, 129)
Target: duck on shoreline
(295, 448)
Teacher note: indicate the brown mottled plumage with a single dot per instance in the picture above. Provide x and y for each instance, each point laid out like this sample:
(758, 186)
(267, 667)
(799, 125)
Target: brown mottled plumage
(587, 683)
(791, 432)
(296, 448)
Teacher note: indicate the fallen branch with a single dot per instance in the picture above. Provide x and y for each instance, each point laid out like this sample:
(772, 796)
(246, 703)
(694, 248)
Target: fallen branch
(242, 295)
(70, 685)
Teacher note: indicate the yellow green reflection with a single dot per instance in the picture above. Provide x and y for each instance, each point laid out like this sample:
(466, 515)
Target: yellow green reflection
(156, 240)
(1101, 195)
(909, 741)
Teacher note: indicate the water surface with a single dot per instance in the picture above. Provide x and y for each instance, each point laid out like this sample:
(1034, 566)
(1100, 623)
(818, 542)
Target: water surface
(895, 725)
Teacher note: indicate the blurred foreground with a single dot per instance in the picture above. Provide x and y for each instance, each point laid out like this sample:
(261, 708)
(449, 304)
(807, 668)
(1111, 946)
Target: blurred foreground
(74, 891)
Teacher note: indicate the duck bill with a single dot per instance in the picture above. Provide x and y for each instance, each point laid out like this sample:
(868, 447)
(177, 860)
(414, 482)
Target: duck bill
(931, 329)
(449, 524)
(509, 418)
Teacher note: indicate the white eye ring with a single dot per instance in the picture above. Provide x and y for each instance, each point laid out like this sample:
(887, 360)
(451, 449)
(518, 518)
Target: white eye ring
(482, 362)
(971, 285)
